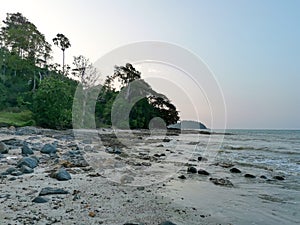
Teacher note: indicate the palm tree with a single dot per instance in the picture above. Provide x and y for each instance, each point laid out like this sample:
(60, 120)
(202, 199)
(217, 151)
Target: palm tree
(63, 43)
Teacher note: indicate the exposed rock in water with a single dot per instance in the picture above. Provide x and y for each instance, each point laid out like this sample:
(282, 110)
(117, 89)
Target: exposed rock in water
(248, 175)
(40, 200)
(221, 182)
(3, 148)
(191, 169)
(49, 149)
(28, 161)
(167, 223)
(235, 170)
(52, 191)
(203, 172)
(61, 175)
(263, 177)
(278, 177)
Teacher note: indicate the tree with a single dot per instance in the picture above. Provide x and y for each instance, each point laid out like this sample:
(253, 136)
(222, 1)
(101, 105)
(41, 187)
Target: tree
(52, 102)
(22, 38)
(63, 43)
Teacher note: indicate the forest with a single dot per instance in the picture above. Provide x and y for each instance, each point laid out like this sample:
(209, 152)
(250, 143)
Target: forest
(35, 91)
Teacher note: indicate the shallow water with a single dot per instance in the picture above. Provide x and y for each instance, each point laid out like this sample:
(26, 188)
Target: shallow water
(250, 201)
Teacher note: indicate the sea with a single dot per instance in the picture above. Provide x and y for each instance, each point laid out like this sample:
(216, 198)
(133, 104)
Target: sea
(261, 200)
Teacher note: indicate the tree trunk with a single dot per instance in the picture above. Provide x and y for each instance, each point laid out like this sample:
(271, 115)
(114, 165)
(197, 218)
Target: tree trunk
(63, 62)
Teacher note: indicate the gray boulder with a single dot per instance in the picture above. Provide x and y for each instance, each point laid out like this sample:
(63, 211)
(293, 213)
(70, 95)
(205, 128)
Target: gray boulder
(3, 148)
(27, 161)
(49, 149)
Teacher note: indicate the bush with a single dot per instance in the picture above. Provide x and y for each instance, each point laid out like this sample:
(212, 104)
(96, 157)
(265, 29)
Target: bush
(52, 103)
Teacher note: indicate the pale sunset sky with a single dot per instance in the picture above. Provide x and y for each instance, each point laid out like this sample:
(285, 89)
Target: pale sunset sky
(251, 47)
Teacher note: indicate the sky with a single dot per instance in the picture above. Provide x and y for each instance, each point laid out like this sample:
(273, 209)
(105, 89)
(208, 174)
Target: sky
(252, 48)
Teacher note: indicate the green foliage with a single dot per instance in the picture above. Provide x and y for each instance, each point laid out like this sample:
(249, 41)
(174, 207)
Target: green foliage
(19, 119)
(52, 104)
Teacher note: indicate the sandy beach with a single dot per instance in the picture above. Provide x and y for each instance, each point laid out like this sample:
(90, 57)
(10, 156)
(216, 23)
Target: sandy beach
(126, 177)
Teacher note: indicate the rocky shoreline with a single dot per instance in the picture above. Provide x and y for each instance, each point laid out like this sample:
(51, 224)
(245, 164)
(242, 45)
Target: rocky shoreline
(54, 177)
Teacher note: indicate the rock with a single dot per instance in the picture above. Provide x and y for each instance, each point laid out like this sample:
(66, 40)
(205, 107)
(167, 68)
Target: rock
(61, 175)
(182, 177)
(221, 182)
(3, 148)
(114, 150)
(167, 223)
(28, 131)
(203, 172)
(235, 170)
(141, 188)
(40, 200)
(28, 161)
(200, 158)
(10, 170)
(92, 214)
(49, 149)
(26, 150)
(16, 173)
(166, 139)
(263, 177)
(191, 169)
(224, 165)
(13, 142)
(278, 177)
(52, 191)
(26, 169)
(248, 175)
(146, 164)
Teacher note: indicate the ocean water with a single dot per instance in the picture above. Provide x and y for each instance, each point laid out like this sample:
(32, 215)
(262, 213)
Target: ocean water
(251, 201)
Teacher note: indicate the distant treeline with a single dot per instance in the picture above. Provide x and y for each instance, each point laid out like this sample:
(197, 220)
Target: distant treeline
(30, 81)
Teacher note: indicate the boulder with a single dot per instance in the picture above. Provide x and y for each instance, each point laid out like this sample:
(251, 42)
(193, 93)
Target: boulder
(203, 172)
(49, 149)
(52, 191)
(191, 169)
(3, 148)
(278, 177)
(61, 175)
(26, 150)
(182, 177)
(167, 223)
(221, 182)
(248, 175)
(235, 170)
(26, 169)
(40, 200)
(28, 161)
